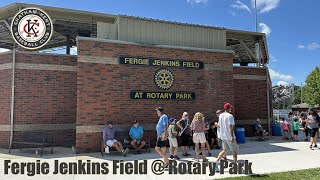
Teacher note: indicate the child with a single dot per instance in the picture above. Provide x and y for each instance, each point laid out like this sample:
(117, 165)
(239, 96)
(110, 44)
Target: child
(212, 134)
(296, 126)
(206, 123)
(173, 138)
(285, 129)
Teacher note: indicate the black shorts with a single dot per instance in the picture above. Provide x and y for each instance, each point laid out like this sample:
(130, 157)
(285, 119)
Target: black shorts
(313, 132)
(160, 143)
(185, 139)
(295, 132)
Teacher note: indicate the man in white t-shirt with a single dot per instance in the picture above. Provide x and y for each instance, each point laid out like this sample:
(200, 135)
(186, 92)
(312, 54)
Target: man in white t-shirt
(226, 124)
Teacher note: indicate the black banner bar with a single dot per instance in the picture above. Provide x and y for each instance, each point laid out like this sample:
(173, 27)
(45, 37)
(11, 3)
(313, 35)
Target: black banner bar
(163, 95)
(161, 62)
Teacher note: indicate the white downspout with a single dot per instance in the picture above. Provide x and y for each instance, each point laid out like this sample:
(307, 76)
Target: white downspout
(12, 92)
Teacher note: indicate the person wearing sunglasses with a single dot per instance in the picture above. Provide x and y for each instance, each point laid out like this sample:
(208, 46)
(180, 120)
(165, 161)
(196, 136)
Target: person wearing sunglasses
(185, 133)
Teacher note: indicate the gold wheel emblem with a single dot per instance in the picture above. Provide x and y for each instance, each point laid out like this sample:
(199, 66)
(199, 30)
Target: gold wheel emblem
(164, 78)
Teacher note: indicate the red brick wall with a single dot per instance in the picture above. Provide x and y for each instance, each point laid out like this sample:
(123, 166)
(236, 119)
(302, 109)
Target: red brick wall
(43, 96)
(103, 90)
(250, 98)
(5, 101)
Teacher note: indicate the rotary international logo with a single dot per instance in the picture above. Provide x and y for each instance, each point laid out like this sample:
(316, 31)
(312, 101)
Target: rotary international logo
(31, 28)
(164, 78)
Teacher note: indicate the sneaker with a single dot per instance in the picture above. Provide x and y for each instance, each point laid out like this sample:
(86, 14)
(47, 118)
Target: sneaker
(205, 160)
(176, 157)
(311, 147)
(217, 167)
(171, 157)
(184, 154)
(165, 165)
(315, 146)
(135, 152)
(125, 152)
(188, 154)
(293, 140)
(138, 152)
(209, 154)
(297, 140)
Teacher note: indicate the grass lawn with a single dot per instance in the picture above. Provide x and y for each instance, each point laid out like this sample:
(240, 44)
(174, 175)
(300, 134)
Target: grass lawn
(292, 175)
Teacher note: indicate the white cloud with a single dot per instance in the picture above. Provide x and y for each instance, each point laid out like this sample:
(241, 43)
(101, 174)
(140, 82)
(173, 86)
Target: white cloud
(310, 46)
(313, 46)
(265, 29)
(241, 6)
(272, 58)
(264, 6)
(197, 1)
(233, 13)
(277, 75)
(282, 83)
(3, 50)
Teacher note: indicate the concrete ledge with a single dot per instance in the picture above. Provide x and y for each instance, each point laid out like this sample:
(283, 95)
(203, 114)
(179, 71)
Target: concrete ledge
(30, 127)
(33, 66)
(97, 59)
(249, 77)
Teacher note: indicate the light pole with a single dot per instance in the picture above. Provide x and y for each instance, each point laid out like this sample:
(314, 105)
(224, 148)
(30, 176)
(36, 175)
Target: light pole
(256, 14)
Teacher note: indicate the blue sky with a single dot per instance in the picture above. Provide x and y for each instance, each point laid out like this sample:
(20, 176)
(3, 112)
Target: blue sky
(292, 26)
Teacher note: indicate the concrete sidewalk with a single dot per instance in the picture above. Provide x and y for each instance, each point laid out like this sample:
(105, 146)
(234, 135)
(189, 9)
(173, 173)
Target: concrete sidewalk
(273, 155)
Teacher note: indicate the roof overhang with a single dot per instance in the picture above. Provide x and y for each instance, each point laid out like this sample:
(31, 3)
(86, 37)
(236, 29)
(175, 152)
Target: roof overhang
(66, 22)
(243, 43)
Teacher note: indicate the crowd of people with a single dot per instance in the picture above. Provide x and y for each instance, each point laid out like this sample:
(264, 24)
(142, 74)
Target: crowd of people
(202, 133)
(309, 122)
(197, 131)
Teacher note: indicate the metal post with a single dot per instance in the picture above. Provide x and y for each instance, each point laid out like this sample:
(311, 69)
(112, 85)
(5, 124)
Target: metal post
(68, 44)
(301, 94)
(268, 100)
(12, 92)
(256, 14)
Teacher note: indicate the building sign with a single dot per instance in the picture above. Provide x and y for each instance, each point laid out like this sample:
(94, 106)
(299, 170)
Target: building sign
(161, 62)
(31, 28)
(163, 78)
(162, 95)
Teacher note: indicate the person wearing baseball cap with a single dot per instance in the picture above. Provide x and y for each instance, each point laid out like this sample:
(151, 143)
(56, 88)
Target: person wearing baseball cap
(162, 135)
(136, 135)
(109, 139)
(226, 124)
(172, 131)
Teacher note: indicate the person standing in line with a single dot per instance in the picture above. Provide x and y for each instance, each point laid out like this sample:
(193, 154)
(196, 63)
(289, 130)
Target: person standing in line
(284, 126)
(312, 124)
(162, 135)
(206, 123)
(227, 124)
(302, 120)
(290, 124)
(185, 133)
(218, 112)
(296, 127)
(198, 128)
(172, 131)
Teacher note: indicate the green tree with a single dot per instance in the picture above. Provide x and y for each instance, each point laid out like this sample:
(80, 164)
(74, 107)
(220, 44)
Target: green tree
(311, 91)
(297, 95)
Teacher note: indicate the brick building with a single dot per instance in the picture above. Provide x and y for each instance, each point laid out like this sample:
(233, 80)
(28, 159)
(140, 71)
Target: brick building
(124, 68)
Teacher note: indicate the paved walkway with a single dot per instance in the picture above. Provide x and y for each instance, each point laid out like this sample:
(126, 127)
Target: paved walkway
(273, 155)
